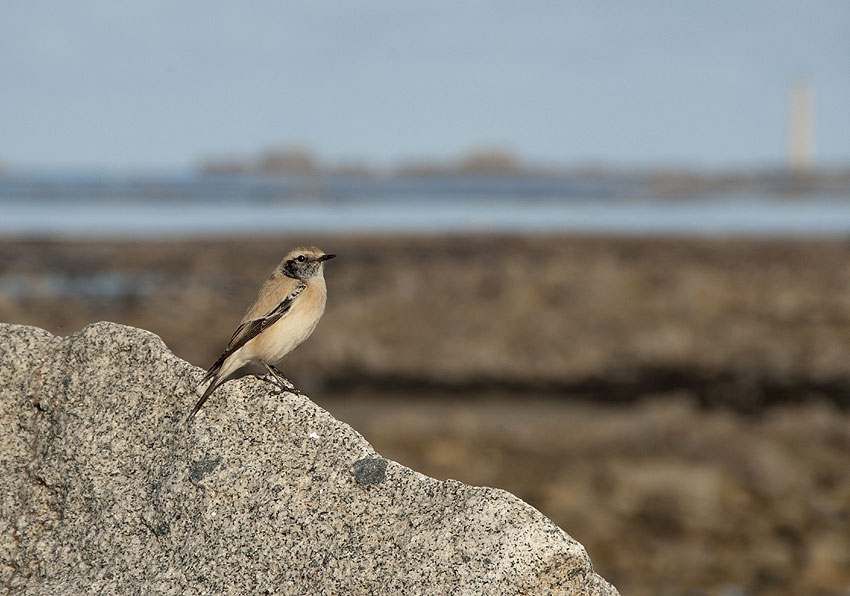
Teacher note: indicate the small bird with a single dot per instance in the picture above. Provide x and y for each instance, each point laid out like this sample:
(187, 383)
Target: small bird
(287, 309)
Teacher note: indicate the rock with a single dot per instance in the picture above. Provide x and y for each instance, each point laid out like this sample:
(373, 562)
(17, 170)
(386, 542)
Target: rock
(106, 490)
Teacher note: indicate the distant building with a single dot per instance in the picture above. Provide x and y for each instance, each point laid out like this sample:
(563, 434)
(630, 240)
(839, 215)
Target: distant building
(489, 160)
(290, 160)
(801, 135)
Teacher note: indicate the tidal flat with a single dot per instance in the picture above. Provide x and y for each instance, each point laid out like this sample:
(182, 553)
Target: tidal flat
(678, 405)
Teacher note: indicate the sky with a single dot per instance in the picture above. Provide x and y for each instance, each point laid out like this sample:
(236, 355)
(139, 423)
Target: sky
(160, 85)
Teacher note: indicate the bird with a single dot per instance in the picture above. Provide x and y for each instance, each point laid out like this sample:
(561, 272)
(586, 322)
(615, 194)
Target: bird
(286, 311)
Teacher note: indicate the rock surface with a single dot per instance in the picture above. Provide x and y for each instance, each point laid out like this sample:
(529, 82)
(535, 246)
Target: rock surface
(105, 490)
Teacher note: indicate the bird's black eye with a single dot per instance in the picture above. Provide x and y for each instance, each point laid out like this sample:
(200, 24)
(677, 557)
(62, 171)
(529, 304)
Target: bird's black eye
(301, 258)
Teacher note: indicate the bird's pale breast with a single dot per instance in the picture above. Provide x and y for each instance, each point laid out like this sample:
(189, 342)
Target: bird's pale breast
(290, 331)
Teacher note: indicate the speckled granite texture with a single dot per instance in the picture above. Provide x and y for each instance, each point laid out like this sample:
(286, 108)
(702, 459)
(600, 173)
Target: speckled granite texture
(105, 490)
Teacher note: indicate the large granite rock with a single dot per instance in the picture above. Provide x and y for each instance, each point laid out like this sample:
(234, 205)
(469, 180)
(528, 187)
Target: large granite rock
(106, 490)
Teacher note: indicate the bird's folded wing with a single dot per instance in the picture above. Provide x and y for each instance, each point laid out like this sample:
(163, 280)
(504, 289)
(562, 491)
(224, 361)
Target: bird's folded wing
(253, 327)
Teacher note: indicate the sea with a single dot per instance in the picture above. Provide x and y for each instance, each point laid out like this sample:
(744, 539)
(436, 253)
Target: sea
(120, 206)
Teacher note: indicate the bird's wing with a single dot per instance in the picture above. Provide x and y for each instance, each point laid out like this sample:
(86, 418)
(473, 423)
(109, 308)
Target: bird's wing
(251, 328)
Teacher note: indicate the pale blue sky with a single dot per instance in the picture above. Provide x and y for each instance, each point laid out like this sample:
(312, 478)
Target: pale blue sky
(159, 84)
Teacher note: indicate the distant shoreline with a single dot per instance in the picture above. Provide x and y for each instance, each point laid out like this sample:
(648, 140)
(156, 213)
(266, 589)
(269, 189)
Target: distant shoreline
(502, 162)
(158, 208)
(659, 182)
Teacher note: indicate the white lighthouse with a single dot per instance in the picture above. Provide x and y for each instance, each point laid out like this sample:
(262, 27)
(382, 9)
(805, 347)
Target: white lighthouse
(801, 134)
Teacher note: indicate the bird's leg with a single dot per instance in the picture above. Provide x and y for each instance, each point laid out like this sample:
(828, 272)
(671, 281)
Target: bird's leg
(271, 379)
(277, 378)
(287, 384)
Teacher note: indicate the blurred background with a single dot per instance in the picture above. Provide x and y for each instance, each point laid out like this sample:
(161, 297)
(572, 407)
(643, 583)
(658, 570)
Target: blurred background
(595, 254)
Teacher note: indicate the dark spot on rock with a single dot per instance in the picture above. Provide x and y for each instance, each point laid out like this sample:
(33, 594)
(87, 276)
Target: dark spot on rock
(157, 527)
(572, 573)
(370, 470)
(161, 528)
(203, 468)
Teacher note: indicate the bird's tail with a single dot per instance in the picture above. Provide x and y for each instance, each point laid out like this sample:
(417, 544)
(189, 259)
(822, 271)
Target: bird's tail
(209, 375)
(212, 387)
(214, 369)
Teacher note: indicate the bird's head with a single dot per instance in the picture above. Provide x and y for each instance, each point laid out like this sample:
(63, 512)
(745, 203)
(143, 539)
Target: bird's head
(304, 262)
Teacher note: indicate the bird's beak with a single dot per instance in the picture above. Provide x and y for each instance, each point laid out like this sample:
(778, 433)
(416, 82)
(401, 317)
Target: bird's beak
(326, 257)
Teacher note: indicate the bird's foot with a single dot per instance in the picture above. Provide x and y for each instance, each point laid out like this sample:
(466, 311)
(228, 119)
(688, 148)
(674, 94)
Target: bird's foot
(281, 389)
(280, 386)
(277, 378)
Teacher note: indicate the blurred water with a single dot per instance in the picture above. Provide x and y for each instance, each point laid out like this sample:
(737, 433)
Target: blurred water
(51, 285)
(223, 206)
